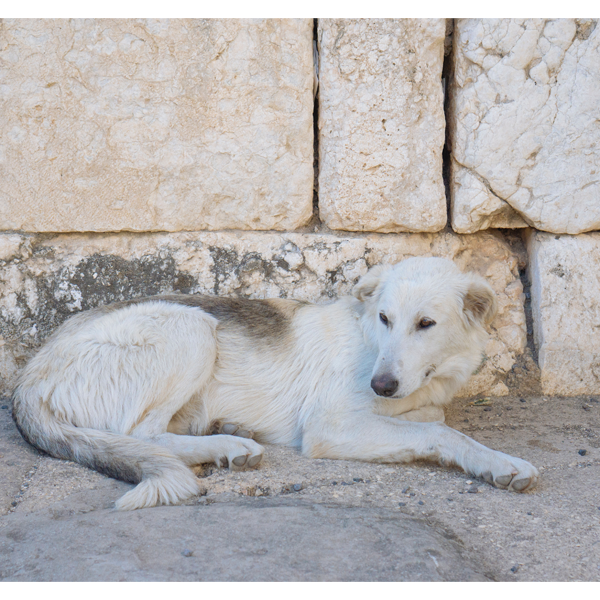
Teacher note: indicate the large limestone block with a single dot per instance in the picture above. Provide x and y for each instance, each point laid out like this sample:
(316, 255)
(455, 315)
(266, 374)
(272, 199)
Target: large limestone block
(156, 125)
(525, 126)
(381, 124)
(565, 298)
(44, 280)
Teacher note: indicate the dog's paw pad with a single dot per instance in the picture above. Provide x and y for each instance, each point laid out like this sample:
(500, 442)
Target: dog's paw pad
(254, 460)
(503, 480)
(488, 477)
(520, 484)
(239, 461)
(229, 429)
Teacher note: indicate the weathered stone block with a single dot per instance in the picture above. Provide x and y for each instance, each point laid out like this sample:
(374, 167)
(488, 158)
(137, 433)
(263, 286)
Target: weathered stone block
(565, 298)
(44, 280)
(524, 109)
(156, 125)
(381, 124)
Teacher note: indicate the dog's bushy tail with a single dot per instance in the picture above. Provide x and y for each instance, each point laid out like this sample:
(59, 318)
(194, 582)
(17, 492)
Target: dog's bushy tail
(161, 477)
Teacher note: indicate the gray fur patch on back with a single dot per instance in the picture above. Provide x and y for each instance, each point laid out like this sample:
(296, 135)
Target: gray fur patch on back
(259, 319)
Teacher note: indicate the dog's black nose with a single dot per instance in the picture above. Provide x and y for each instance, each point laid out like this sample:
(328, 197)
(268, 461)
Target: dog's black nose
(384, 386)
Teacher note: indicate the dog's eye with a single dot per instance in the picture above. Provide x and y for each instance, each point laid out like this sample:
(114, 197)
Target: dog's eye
(384, 319)
(426, 322)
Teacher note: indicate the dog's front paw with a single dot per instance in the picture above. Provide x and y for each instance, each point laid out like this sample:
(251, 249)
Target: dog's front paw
(509, 472)
(237, 453)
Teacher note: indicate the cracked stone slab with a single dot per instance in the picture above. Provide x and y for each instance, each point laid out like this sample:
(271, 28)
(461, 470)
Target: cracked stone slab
(565, 299)
(46, 279)
(265, 541)
(523, 118)
(156, 125)
(381, 124)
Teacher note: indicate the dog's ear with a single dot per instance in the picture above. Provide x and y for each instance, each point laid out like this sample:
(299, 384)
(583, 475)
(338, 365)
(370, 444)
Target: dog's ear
(367, 284)
(479, 301)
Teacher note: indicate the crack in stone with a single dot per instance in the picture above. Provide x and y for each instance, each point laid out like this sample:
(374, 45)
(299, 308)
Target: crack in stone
(480, 178)
(25, 484)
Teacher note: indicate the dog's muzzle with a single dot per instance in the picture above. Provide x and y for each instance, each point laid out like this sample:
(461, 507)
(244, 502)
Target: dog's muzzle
(384, 386)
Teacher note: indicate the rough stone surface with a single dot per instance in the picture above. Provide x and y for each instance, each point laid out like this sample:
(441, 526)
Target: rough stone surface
(17, 459)
(381, 124)
(45, 279)
(349, 520)
(565, 298)
(266, 540)
(524, 109)
(155, 125)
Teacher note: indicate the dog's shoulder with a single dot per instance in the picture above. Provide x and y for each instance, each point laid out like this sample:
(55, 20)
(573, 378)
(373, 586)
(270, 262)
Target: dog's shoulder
(270, 318)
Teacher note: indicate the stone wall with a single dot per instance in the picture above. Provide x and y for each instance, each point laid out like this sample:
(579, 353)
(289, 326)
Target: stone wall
(285, 157)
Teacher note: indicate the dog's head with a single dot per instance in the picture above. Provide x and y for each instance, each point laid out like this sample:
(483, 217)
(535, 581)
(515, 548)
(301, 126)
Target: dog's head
(428, 320)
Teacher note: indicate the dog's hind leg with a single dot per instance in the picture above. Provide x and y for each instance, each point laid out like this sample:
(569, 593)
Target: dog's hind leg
(218, 427)
(100, 384)
(223, 450)
(179, 482)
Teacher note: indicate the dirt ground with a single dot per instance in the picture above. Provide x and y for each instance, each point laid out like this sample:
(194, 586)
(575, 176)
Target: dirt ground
(323, 520)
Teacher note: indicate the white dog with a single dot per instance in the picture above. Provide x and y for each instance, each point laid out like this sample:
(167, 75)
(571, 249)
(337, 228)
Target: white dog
(133, 389)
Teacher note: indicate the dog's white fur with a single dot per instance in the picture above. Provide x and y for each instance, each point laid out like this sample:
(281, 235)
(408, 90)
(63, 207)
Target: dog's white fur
(133, 391)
